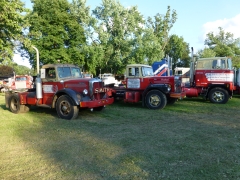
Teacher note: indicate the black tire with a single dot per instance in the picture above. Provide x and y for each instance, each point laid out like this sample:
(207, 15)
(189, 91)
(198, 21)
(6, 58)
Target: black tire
(218, 95)
(171, 101)
(100, 108)
(14, 104)
(65, 108)
(155, 99)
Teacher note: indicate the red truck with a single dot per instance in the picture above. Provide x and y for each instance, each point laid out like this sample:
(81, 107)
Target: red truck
(213, 78)
(153, 91)
(22, 82)
(62, 87)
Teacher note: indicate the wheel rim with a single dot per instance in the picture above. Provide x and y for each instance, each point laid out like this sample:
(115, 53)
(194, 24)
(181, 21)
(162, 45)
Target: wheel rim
(14, 104)
(65, 108)
(154, 100)
(218, 96)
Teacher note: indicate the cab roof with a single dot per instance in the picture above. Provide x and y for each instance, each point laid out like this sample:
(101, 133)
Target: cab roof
(58, 65)
(138, 65)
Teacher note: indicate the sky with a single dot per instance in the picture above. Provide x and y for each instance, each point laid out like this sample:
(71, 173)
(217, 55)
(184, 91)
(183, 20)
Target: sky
(195, 18)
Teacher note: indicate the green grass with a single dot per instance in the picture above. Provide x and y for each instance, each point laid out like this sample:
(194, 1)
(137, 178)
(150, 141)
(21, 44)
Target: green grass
(192, 139)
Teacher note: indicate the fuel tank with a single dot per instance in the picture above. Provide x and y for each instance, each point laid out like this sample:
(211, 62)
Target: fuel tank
(191, 92)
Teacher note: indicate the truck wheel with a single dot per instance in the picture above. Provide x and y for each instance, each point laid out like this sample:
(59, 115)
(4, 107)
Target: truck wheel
(155, 100)
(218, 95)
(65, 108)
(14, 104)
(100, 108)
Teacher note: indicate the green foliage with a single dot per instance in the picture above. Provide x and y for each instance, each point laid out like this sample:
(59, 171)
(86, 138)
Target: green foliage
(11, 22)
(224, 44)
(178, 50)
(92, 53)
(111, 38)
(161, 25)
(6, 71)
(206, 53)
(55, 31)
(22, 70)
(119, 35)
(236, 61)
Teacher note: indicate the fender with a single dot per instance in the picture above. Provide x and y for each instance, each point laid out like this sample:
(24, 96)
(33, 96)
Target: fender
(224, 86)
(76, 97)
(164, 88)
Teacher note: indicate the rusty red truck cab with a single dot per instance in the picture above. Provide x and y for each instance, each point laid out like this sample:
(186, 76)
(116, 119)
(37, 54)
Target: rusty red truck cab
(154, 91)
(61, 86)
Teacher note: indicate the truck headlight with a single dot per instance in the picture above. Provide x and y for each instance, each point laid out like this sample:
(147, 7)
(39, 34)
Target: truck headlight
(85, 91)
(169, 88)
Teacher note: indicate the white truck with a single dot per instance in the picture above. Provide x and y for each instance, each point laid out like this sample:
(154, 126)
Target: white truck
(109, 79)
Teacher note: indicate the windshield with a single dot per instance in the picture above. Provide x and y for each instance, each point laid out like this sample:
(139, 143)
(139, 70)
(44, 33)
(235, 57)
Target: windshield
(21, 79)
(147, 71)
(67, 72)
(214, 64)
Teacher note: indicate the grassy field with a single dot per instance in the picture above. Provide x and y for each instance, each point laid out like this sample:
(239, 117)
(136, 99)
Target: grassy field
(192, 139)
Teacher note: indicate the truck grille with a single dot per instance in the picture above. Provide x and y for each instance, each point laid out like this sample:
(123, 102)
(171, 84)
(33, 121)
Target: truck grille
(178, 84)
(97, 89)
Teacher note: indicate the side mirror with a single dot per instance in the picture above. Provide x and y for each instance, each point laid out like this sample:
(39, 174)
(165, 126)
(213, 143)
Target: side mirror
(43, 74)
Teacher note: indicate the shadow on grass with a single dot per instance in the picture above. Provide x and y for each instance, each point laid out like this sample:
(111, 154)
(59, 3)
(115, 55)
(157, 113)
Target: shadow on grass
(124, 142)
(3, 106)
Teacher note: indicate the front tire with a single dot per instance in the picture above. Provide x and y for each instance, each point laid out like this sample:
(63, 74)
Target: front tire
(65, 108)
(155, 100)
(218, 95)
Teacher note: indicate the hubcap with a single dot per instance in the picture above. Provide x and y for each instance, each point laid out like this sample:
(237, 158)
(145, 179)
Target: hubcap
(65, 108)
(154, 100)
(218, 96)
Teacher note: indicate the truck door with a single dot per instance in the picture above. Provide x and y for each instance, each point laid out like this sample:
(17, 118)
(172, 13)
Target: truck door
(50, 86)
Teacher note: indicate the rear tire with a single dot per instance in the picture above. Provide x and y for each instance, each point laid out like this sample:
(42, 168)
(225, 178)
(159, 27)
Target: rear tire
(155, 99)
(65, 108)
(218, 95)
(14, 104)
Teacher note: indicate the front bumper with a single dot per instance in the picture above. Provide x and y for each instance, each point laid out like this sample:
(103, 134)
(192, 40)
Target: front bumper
(96, 103)
(178, 95)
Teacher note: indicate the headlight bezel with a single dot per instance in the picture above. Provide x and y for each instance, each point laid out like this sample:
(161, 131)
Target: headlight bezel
(85, 92)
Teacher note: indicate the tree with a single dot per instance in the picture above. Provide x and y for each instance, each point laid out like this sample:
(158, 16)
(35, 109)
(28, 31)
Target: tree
(224, 44)
(206, 52)
(6, 71)
(178, 50)
(55, 31)
(119, 35)
(162, 24)
(22, 70)
(11, 22)
(122, 36)
(92, 52)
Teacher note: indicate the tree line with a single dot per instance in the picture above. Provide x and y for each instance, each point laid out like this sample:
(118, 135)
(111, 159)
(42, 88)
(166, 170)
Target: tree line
(108, 38)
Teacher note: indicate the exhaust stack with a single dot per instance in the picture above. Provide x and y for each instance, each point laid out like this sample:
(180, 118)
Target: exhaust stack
(38, 80)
